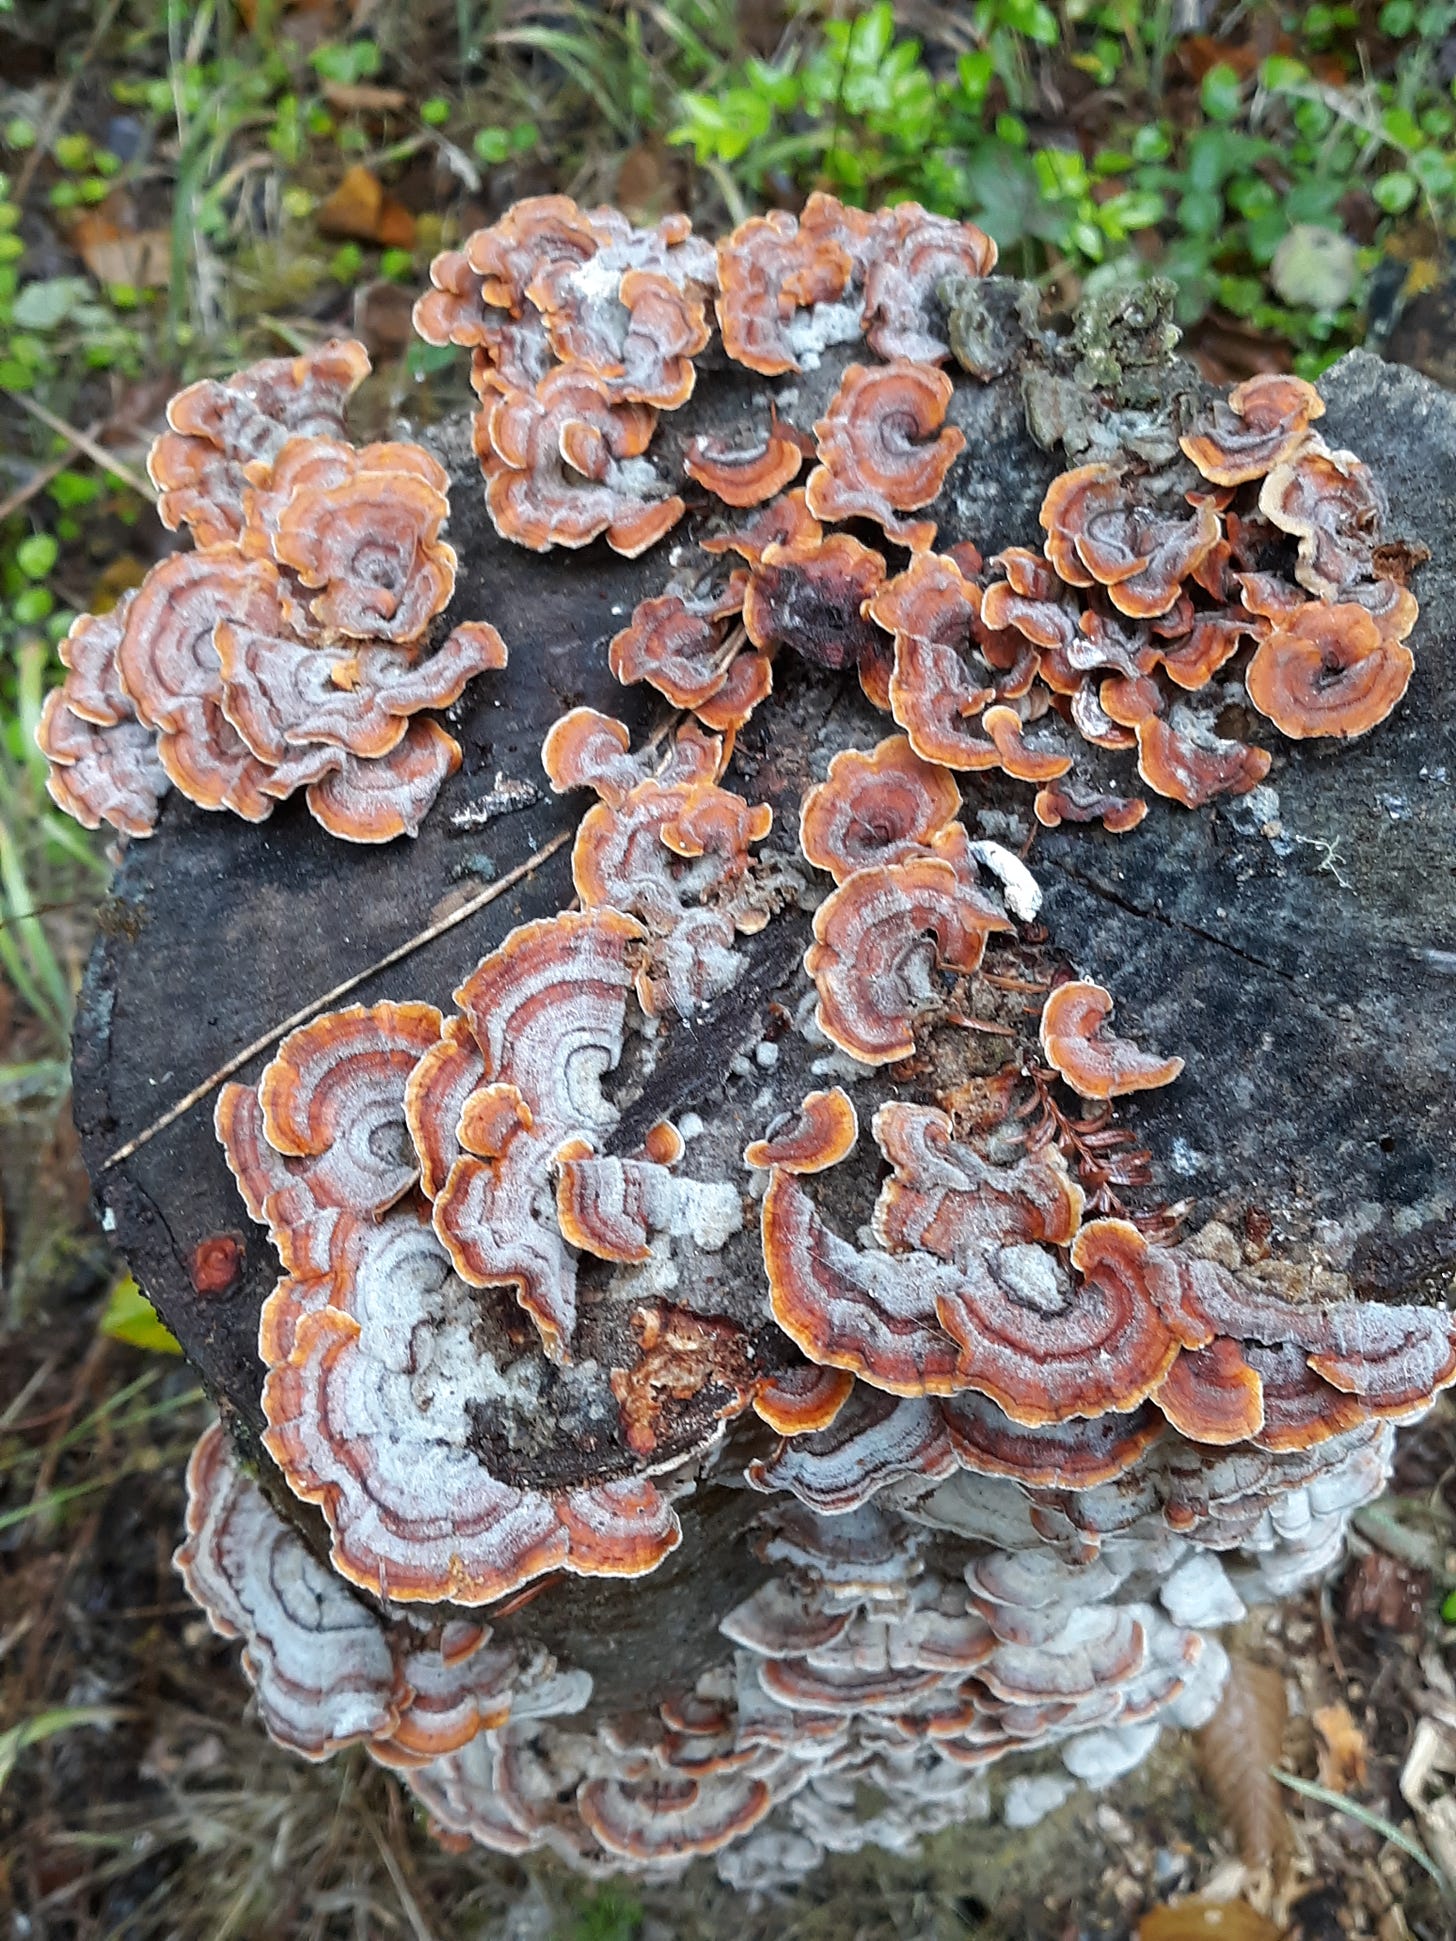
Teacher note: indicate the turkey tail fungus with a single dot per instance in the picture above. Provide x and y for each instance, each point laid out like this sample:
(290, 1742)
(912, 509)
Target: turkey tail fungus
(731, 1354)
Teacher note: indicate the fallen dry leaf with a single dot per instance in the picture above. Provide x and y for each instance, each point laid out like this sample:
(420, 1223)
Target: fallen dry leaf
(645, 188)
(143, 260)
(382, 318)
(1342, 1748)
(1237, 1748)
(1201, 1920)
(1379, 1590)
(362, 209)
(362, 98)
(115, 253)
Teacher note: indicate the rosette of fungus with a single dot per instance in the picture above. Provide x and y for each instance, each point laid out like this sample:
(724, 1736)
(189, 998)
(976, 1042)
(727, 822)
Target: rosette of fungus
(281, 693)
(673, 853)
(911, 253)
(1184, 758)
(749, 473)
(169, 666)
(1260, 424)
(882, 807)
(791, 287)
(103, 760)
(216, 428)
(291, 653)
(937, 688)
(1332, 503)
(1099, 533)
(563, 463)
(884, 448)
(383, 1441)
(547, 1011)
(683, 646)
(414, 1512)
(878, 940)
(634, 313)
(769, 270)
(1327, 669)
(328, 1671)
(1094, 1062)
(362, 524)
(809, 593)
(967, 1295)
(552, 284)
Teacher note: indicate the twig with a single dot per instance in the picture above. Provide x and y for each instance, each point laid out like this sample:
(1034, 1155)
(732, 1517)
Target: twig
(968, 1023)
(271, 1036)
(41, 477)
(82, 441)
(1327, 1626)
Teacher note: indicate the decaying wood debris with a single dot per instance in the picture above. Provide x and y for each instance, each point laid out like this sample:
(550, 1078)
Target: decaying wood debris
(912, 1194)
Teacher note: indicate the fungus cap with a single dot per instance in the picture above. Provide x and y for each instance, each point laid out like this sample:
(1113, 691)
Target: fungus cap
(1094, 1062)
(1327, 670)
(878, 940)
(883, 806)
(821, 1133)
(1260, 423)
(884, 448)
(746, 474)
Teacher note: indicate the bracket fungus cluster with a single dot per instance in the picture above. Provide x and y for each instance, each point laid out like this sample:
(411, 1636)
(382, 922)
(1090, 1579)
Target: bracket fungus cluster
(1001, 1438)
(296, 646)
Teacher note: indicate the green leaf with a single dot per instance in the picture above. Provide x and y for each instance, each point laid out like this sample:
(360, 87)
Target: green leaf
(1448, 1608)
(423, 359)
(45, 304)
(1395, 191)
(1221, 93)
(1120, 215)
(1031, 18)
(32, 606)
(1152, 143)
(1435, 172)
(130, 1317)
(1401, 128)
(1211, 157)
(1279, 72)
(977, 71)
(72, 152)
(356, 61)
(36, 555)
(346, 263)
(1200, 212)
(491, 145)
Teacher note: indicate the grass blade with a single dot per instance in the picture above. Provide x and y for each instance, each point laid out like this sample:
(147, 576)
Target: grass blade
(46, 1725)
(1354, 1811)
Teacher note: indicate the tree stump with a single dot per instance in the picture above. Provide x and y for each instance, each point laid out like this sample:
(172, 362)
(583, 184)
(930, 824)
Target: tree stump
(1298, 954)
